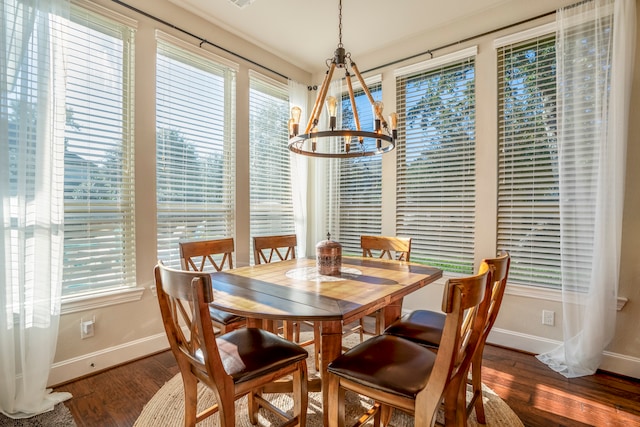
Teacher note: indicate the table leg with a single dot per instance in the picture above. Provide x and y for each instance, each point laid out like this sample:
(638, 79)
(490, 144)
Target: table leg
(330, 349)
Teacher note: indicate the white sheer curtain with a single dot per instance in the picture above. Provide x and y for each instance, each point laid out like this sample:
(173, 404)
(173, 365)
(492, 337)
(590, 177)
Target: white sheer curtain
(594, 76)
(32, 118)
(298, 96)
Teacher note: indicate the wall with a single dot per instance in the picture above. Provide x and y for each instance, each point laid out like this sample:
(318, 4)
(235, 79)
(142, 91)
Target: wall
(133, 329)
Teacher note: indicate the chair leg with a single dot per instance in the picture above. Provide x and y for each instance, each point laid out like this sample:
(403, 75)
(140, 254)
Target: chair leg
(190, 384)
(476, 383)
(385, 413)
(336, 402)
(317, 339)
(227, 409)
(379, 321)
(252, 406)
(300, 394)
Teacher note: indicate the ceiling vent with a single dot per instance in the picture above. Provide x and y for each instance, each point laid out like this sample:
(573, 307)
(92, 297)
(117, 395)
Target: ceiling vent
(242, 3)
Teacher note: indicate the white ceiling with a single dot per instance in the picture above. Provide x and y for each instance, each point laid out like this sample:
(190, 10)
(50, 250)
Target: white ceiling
(305, 32)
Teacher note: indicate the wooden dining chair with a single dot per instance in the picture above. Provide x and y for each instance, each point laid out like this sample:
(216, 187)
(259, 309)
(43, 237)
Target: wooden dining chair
(212, 255)
(267, 249)
(426, 327)
(232, 365)
(274, 248)
(398, 373)
(277, 248)
(389, 247)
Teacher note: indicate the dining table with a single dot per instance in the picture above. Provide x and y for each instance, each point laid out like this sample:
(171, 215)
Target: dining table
(294, 290)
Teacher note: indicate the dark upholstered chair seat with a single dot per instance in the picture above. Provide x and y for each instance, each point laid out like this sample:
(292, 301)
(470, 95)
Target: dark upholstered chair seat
(224, 317)
(387, 363)
(249, 353)
(421, 326)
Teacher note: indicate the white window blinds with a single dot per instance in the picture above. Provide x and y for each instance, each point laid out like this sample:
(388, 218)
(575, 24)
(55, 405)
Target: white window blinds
(436, 164)
(528, 205)
(99, 235)
(195, 137)
(270, 172)
(356, 196)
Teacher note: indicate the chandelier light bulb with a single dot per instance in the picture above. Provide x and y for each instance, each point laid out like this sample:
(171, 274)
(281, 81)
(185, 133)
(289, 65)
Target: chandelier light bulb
(294, 122)
(393, 123)
(332, 107)
(347, 143)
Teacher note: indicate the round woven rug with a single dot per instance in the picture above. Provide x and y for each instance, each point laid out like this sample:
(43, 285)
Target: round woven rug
(166, 407)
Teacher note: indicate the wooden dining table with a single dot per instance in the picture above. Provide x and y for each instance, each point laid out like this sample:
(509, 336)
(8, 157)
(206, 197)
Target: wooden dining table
(294, 290)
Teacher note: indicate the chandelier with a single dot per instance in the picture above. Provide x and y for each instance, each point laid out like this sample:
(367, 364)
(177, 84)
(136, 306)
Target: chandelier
(338, 143)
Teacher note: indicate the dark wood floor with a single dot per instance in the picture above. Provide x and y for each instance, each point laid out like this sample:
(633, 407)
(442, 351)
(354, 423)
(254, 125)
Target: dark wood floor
(538, 395)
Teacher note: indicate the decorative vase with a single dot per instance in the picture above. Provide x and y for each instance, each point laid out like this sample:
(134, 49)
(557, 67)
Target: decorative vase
(329, 257)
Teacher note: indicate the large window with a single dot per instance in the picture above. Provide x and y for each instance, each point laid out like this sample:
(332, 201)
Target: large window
(99, 226)
(356, 191)
(436, 162)
(528, 203)
(270, 189)
(195, 137)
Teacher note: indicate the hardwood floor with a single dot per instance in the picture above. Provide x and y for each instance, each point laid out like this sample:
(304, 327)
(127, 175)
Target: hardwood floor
(540, 397)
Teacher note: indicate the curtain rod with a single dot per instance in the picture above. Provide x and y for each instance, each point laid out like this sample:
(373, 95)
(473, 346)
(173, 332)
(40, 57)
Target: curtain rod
(430, 51)
(427, 52)
(202, 40)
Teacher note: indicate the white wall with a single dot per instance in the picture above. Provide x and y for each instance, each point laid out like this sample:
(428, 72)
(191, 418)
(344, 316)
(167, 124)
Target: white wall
(133, 329)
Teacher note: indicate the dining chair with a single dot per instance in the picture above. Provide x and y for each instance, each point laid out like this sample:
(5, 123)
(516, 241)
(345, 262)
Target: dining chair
(267, 249)
(398, 373)
(212, 255)
(426, 327)
(232, 365)
(389, 247)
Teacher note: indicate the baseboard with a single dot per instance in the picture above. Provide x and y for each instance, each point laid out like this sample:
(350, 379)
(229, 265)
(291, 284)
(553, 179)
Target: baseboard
(611, 362)
(68, 370)
(87, 364)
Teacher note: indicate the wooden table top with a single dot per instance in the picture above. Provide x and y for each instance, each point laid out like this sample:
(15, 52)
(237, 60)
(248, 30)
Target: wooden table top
(288, 290)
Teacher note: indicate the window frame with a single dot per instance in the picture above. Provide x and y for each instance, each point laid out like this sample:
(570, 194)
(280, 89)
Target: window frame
(99, 17)
(424, 252)
(226, 71)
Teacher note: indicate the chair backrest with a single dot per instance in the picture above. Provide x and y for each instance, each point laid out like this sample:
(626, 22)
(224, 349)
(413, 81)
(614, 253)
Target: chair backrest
(464, 302)
(200, 255)
(386, 244)
(184, 298)
(266, 247)
(500, 273)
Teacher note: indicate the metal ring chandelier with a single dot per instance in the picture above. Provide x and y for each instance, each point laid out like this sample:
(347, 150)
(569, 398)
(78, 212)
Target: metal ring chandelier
(307, 143)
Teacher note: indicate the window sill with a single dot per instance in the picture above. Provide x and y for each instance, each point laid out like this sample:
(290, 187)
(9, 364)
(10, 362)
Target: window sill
(76, 303)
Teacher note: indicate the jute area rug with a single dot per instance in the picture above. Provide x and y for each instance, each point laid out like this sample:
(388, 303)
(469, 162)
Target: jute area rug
(166, 408)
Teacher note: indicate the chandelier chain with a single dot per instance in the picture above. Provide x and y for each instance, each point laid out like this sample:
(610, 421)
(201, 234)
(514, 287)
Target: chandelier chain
(340, 23)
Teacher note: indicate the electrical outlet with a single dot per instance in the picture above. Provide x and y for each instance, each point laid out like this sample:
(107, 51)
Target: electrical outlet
(87, 327)
(548, 317)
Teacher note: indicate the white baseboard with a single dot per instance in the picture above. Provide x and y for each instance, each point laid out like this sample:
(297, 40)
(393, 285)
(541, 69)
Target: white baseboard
(70, 369)
(611, 362)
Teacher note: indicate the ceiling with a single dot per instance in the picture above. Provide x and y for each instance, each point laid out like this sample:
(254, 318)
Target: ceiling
(305, 32)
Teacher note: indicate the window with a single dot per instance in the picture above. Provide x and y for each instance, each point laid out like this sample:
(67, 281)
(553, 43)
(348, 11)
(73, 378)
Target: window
(99, 235)
(528, 203)
(356, 192)
(270, 188)
(195, 140)
(436, 161)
